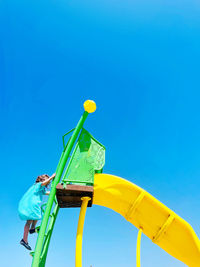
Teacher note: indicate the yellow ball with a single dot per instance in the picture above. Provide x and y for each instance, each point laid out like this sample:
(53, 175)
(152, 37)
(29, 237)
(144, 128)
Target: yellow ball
(89, 106)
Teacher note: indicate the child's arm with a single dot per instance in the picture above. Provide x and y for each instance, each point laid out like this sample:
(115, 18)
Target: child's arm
(47, 181)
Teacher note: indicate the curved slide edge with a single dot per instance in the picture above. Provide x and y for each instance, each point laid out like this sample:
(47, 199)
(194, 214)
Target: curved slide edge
(164, 227)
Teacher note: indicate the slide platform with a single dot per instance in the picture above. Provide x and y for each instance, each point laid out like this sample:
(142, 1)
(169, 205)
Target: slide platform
(164, 227)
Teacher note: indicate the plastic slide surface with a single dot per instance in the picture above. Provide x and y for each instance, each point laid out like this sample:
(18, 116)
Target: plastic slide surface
(160, 224)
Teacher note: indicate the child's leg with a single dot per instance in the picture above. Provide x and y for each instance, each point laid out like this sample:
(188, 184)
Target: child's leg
(26, 229)
(33, 224)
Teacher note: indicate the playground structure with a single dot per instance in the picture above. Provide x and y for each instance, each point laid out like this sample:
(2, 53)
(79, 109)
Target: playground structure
(80, 182)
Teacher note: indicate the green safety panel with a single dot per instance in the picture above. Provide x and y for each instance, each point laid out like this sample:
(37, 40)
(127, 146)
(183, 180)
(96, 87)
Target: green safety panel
(88, 157)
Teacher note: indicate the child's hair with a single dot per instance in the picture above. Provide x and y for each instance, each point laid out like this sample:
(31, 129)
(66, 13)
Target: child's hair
(41, 178)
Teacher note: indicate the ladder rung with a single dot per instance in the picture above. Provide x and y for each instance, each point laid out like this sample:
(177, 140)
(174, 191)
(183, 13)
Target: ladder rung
(52, 215)
(32, 253)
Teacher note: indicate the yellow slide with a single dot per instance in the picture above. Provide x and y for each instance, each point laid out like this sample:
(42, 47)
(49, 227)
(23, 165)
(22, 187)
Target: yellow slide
(160, 224)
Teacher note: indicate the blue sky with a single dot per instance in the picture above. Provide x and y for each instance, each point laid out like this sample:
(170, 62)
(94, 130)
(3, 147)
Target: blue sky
(139, 60)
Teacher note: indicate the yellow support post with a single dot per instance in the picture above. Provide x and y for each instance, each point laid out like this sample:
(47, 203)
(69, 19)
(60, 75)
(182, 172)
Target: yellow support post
(138, 248)
(79, 235)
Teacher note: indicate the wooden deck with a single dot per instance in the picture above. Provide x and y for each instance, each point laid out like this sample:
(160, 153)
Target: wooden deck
(70, 197)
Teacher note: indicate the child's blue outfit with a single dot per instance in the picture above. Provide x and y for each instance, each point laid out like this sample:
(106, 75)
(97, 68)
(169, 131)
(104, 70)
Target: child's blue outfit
(30, 205)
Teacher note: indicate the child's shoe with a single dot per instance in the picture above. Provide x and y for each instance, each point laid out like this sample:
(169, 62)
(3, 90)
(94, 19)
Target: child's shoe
(32, 231)
(26, 245)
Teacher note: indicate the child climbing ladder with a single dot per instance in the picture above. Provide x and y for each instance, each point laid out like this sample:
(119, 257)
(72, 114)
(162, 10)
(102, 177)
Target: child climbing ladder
(30, 206)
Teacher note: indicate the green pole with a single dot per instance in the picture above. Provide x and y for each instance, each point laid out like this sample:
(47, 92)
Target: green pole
(61, 166)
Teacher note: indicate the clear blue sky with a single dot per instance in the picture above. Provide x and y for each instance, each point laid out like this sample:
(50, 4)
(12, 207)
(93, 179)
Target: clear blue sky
(139, 60)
